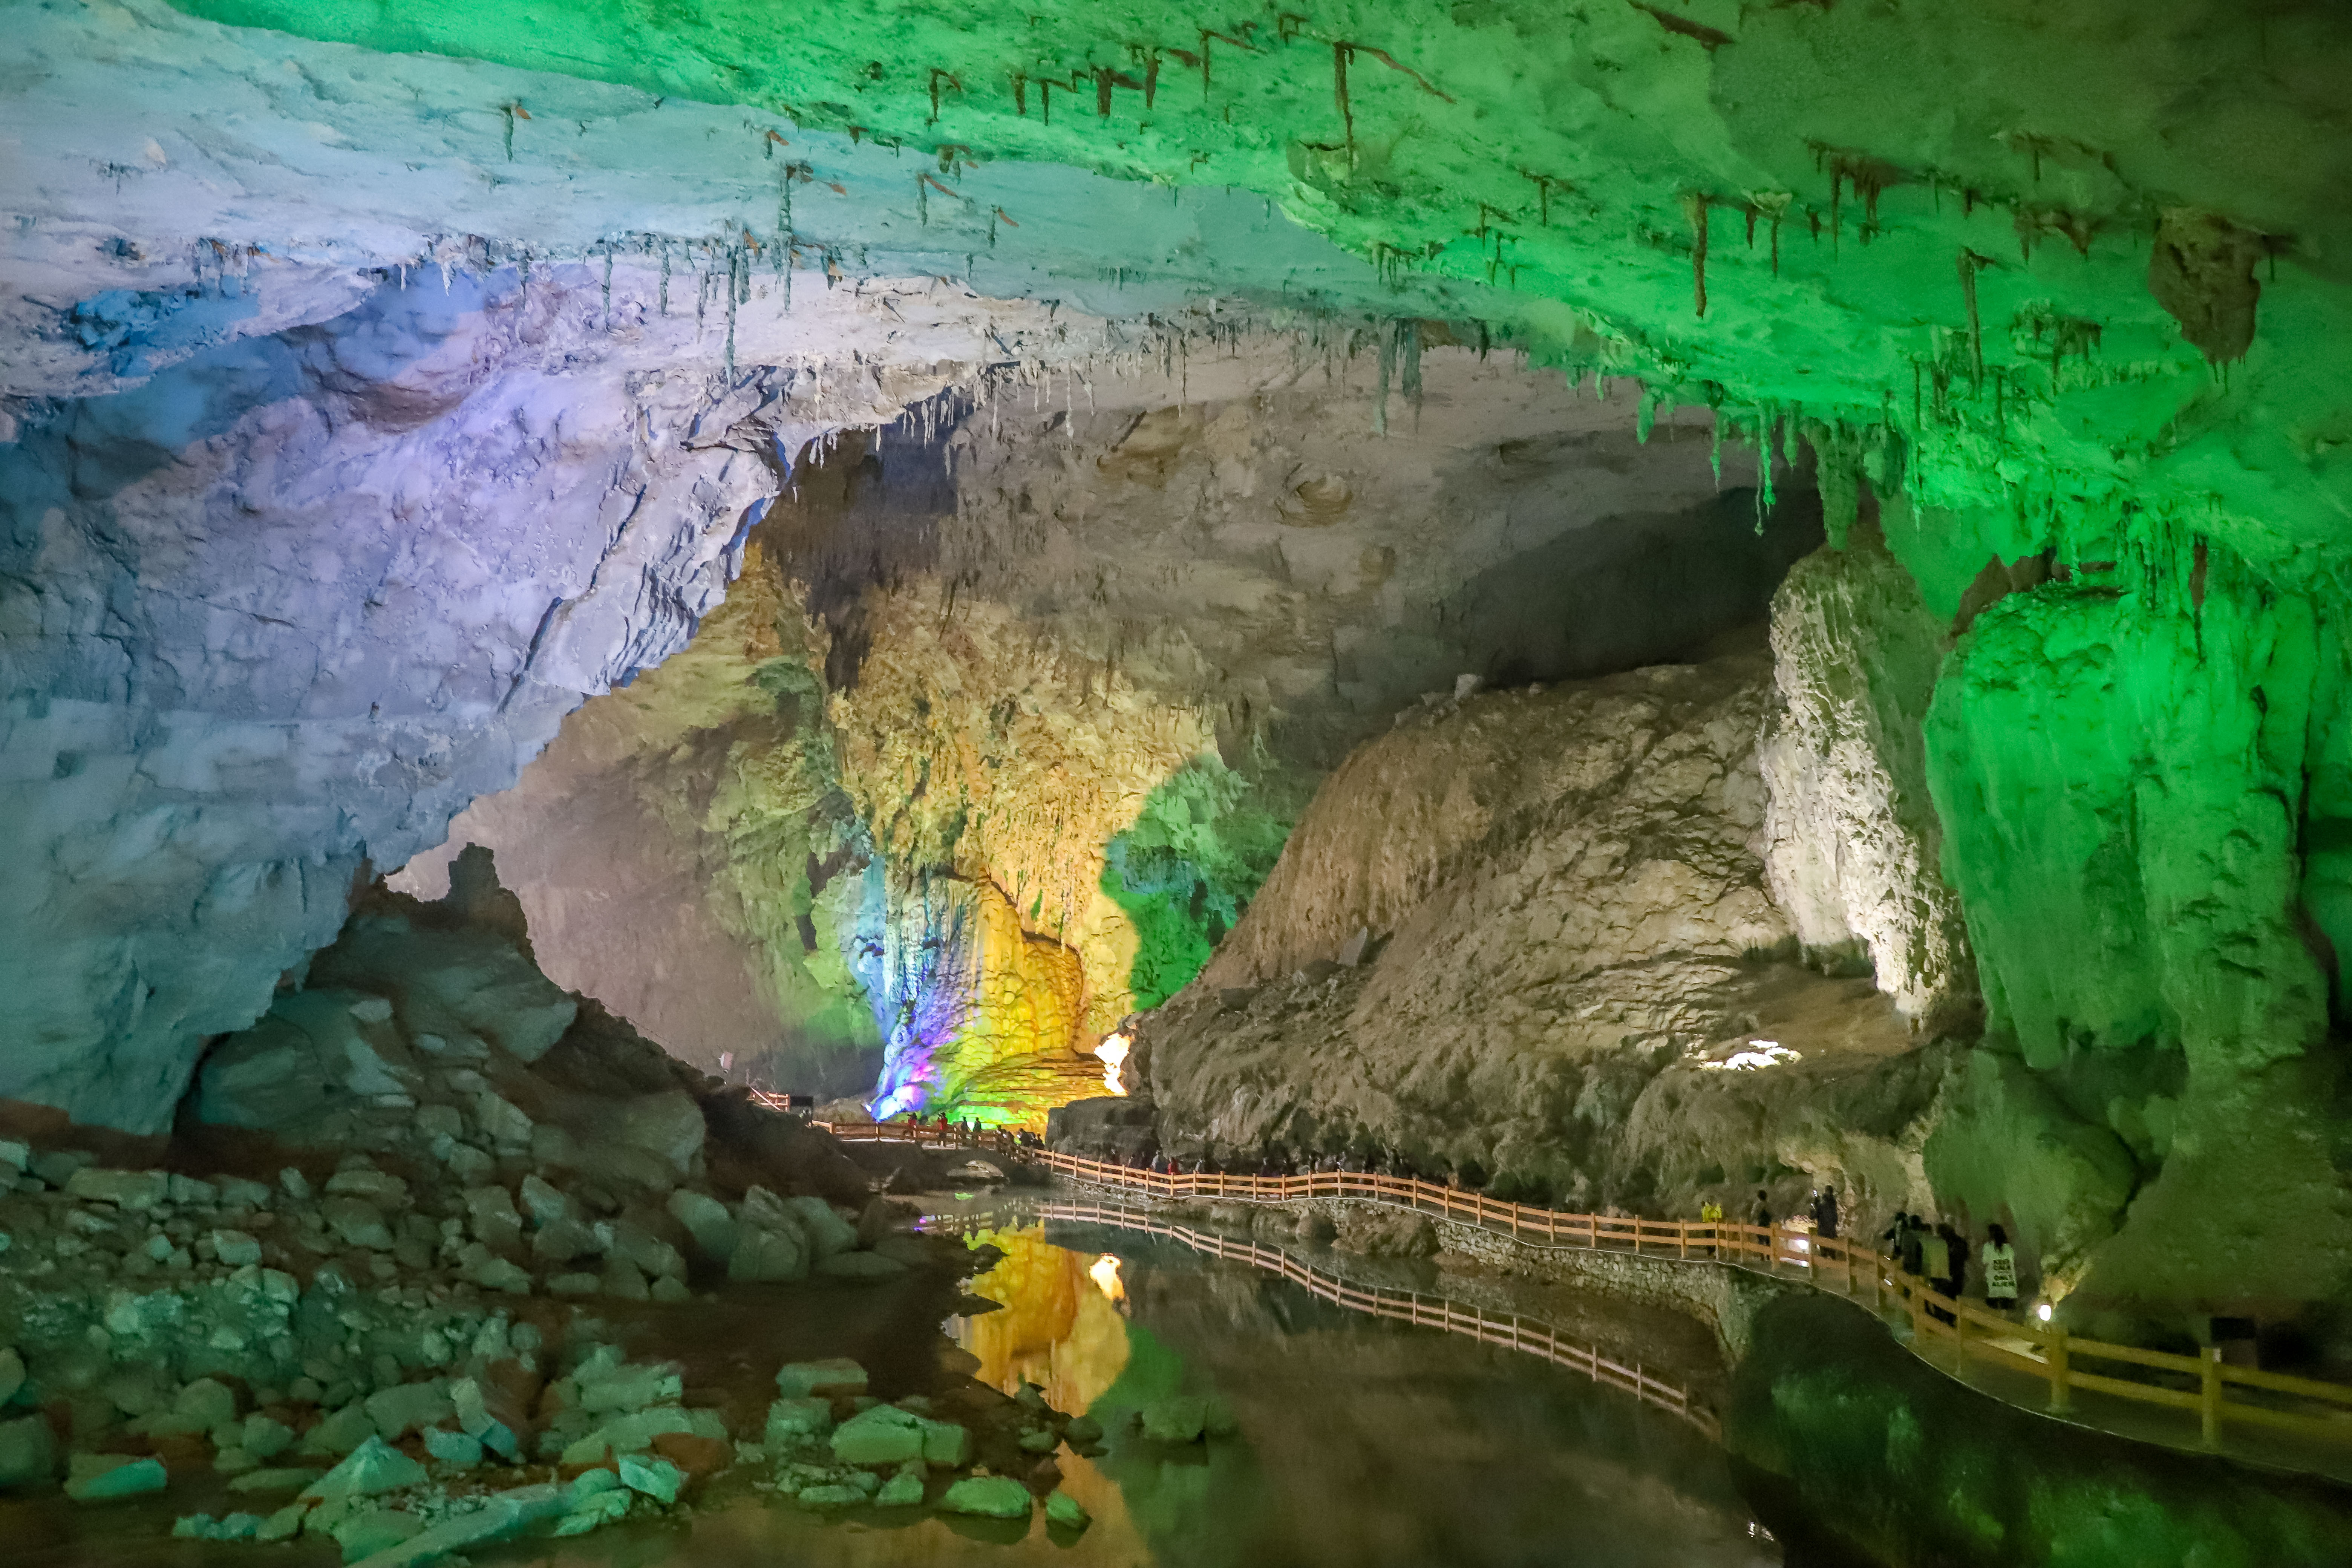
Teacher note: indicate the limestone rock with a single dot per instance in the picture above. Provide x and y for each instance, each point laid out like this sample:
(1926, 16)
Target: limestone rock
(707, 1220)
(134, 1190)
(884, 1435)
(370, 1470)
(1850, 838)
(835, 1375)
(992, 1496)
(28, 1451)
(108, 1478)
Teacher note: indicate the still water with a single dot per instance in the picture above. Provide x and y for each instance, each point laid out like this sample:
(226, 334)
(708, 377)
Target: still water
(1357, 1443)
(1354, 1442)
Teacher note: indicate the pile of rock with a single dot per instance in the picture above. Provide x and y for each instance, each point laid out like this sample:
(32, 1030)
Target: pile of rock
(974, 1451)
(376, 1322)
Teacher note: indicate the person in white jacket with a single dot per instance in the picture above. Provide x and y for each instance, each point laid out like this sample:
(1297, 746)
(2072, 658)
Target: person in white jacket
(2000, 1270)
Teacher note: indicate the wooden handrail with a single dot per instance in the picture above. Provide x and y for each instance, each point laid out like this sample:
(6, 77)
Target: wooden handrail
(2051, 1352)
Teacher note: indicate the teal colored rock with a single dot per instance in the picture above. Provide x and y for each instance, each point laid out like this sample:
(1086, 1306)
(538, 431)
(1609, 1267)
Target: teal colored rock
(279, 1480)
(205, 1403)
(885, 1435)
(28, 1453)
(1083, 1430)
(453, 1447)
(828, 1233)
(635, 1434)
(236, 1247)
(501, 1515)
(341, 1433)
(837, 1374)
(371, 1470)
(595, 1513)
(264, 1438)
(860, 1266)
(830, 1494)
(707, 1220)
(945, 1443)
(793, 1420)
(904, 1489)
(1067, 1511)
(1178, 1419)
(104, 1477)
(396, 1412)
(628, 1389)
(12, 1367)
(994, 1497)
(375, 1530)
(765, 1255)
(656, 1478)
(204, 1527)
(125, 1189)
(283, 1525)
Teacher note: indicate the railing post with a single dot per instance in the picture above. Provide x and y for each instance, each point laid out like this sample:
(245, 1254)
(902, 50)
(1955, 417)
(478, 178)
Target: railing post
(2209, 1395)
(2061, 1390)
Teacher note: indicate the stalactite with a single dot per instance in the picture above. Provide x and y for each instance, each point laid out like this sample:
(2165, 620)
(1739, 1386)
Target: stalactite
(1695, 206)
(1969, 261)
(608, 285)
(665, 277)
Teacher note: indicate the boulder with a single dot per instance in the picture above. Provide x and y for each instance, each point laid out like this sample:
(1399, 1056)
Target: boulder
(341, 1432)
(792, 1421)
(28, 1451)
(827, 1232)
(1066, 1512)
(124, 1189)
(629, 1388)
(543, 1202)
(560, 1240)
(371, 1470)
(656, 1478)
(357, 1223)
(453, 1448)
(236, 1248)
(763, 1256)
(105, 1477)
(491, 1215)
(904, 1489)
(947, 1445)
(372, 1532)
(265, 1438)
(884, 1435)
(707, 1220)
(992, 1496)
(11, 1374)
(409, 1407)
(836, 1375)
(1180, 1418)
(503, 1514)
(634, 1434)
(206, 1404)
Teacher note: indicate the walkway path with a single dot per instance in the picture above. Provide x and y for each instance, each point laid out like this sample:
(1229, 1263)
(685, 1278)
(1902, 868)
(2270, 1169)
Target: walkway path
(2155, 1395)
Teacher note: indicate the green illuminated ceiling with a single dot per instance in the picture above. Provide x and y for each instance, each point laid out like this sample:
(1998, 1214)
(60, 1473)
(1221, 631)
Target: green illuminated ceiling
(1562, 157)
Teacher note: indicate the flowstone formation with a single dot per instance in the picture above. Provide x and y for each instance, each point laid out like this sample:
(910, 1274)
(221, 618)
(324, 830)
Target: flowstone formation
(1514, 943)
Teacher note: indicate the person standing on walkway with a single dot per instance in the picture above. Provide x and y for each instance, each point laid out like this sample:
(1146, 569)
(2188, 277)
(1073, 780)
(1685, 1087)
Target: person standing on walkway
(1763, 1209)
(1710, 1212)
(1956, 1260)
(1825, 1214)
(2000, 1271)
(1936, 1262)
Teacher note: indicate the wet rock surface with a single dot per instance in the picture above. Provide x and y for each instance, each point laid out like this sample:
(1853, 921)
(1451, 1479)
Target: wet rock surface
(475, 1266)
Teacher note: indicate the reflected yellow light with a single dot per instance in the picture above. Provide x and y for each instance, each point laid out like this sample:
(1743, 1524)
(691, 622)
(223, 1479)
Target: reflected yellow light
(1113, 1052)
(1105, 1274)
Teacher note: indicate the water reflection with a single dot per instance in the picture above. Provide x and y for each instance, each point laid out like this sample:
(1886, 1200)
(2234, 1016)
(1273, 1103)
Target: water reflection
(1353, 1442)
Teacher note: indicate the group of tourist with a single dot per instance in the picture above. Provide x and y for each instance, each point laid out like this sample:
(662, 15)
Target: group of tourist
(1936, 1253)
(1939, 1254)
(967, 1130)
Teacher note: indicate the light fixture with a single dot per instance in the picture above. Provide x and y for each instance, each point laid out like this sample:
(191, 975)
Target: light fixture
(2042, 1311)
(1113, 1052)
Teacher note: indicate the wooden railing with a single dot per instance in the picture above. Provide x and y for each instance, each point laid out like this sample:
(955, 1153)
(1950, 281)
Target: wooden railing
(1508, 1330)
(2216, 1390)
